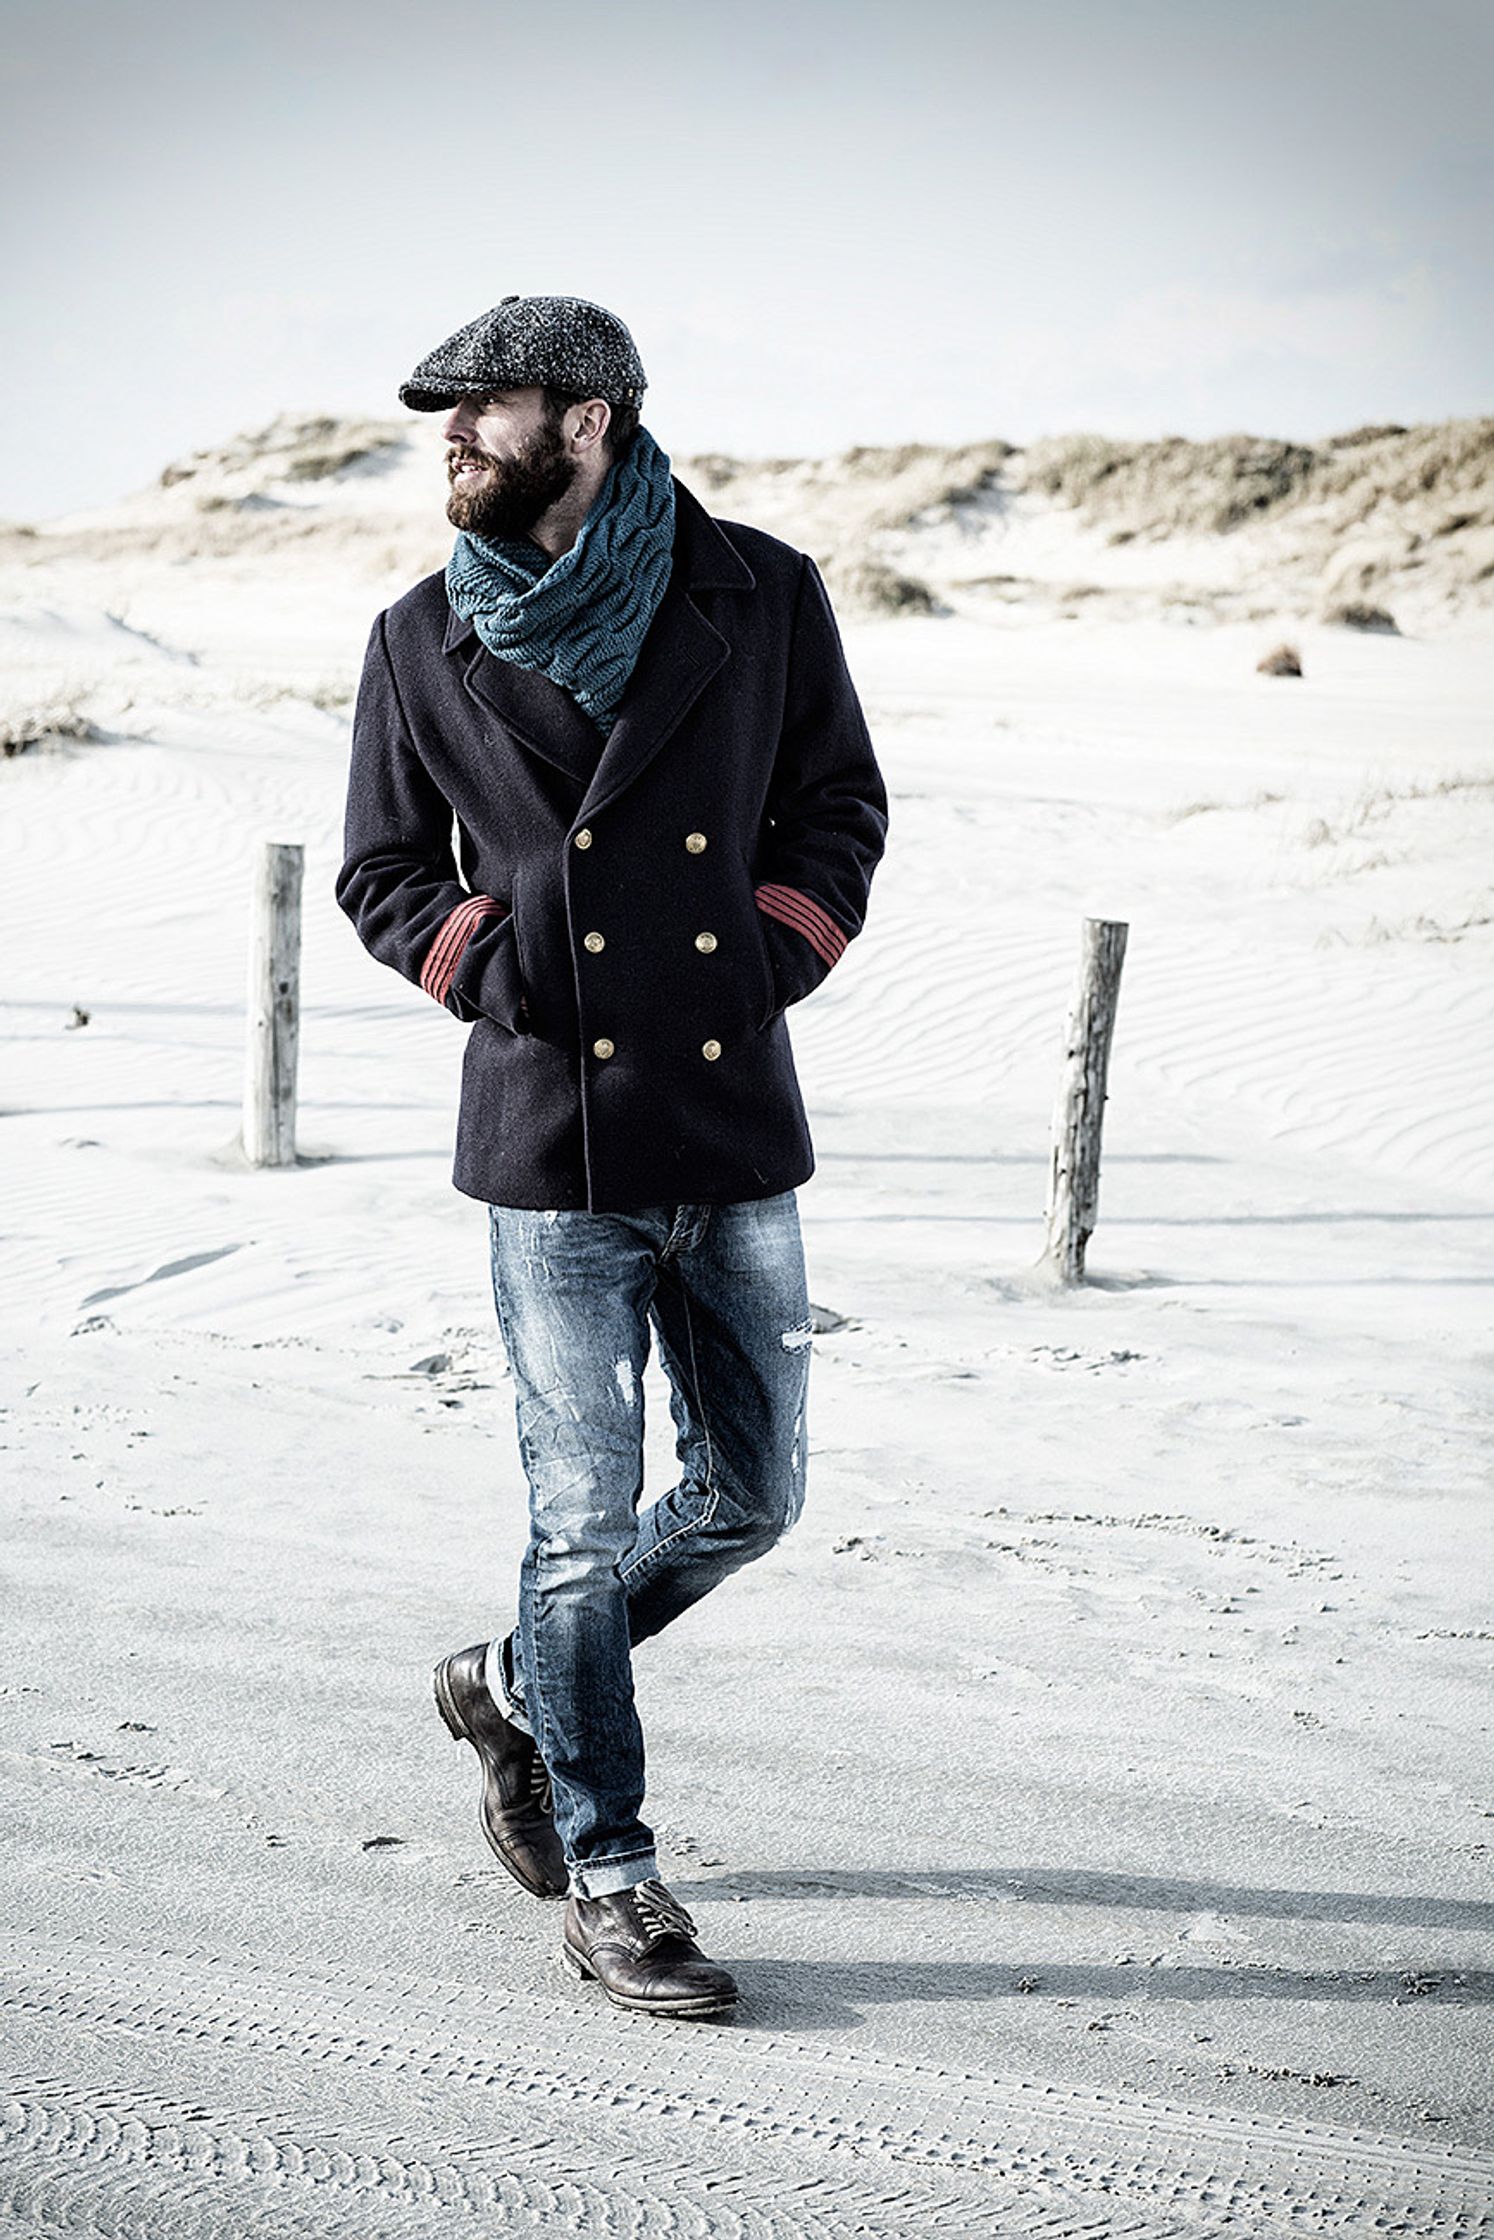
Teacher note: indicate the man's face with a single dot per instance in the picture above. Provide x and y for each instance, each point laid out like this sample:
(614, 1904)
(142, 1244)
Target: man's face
(506, 461)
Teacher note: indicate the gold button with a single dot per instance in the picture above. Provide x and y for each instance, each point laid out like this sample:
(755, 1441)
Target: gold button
(710, 1049)
(583, 837)
(705, 942)
(695, 842)
(595, 942)
(602, 1048)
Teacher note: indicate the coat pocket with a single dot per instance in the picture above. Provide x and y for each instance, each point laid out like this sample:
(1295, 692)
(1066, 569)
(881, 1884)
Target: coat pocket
(526, 978)
(770, 1003)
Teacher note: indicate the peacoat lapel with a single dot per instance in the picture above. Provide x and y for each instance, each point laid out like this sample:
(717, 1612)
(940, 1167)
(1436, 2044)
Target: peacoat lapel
(532, 708)
(682, 651)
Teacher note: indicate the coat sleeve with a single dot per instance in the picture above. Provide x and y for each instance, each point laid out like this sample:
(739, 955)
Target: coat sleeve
(398, 881)
(826, 808)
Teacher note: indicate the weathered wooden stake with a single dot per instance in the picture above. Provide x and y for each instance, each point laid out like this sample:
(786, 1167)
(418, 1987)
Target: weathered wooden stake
(274, 1007)
(1078, 1115)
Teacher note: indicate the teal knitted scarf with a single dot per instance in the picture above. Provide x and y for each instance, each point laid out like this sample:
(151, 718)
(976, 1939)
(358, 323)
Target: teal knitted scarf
(581, 618)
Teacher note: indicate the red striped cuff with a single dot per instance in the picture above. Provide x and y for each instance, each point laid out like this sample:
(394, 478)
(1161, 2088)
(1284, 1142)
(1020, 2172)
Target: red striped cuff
(457, 929)
(803, 913)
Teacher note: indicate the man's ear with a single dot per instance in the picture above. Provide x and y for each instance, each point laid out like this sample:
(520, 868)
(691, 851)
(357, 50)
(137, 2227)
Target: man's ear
(595, 419)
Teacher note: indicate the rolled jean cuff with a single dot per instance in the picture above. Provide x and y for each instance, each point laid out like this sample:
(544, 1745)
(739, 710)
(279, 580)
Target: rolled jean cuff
(493, 1680)
(603, 1878)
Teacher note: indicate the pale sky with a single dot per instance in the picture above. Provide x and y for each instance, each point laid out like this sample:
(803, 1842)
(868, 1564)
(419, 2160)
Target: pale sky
(826, 221)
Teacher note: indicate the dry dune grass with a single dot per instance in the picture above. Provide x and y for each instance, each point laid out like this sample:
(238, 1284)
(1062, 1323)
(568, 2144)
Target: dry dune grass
(1168, 488)
(1358, 614)
(833, 507)
(883, 487)
(1174, 487)
(371, 549)
(1380, 512)
(294, 448)
(30, 719)
(1352, 522)
(1373, 519)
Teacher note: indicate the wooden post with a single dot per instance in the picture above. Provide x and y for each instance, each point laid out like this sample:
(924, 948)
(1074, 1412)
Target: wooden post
(1078, 1115)
(274, 1007)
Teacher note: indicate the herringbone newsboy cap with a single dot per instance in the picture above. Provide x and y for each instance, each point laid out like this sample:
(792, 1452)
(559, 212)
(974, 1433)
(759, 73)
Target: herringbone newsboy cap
(557, 342)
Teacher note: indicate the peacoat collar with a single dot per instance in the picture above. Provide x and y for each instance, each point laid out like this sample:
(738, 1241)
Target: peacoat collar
(682, 651)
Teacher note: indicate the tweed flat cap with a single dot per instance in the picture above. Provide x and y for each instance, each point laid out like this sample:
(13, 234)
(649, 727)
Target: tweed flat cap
(558, 342)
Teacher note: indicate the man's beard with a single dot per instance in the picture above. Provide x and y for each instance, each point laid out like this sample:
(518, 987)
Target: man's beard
(512, 494)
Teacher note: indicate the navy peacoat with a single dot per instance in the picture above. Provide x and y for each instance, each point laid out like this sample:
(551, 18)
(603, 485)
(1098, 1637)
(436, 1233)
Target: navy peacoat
(635, 910)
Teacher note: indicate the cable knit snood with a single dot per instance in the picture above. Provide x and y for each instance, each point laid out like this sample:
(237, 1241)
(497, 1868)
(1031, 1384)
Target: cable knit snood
(582, 618)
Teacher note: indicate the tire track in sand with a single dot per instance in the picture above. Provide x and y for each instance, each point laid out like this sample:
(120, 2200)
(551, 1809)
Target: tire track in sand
(411, 2107)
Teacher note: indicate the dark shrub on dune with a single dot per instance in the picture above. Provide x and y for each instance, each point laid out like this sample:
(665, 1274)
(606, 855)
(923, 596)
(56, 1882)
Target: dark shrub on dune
(1357, 614)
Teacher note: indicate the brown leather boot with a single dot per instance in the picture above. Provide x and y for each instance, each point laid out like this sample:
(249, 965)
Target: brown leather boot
(639, 1944)
(516, 1812)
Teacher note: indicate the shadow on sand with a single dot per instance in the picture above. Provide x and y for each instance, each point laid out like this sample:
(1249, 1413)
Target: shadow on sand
(1065, 1886)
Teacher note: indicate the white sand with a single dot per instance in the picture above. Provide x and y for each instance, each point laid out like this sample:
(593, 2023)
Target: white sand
(1091, 1795)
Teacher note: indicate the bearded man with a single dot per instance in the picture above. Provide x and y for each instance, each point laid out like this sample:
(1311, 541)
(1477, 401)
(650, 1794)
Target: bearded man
(638, 724)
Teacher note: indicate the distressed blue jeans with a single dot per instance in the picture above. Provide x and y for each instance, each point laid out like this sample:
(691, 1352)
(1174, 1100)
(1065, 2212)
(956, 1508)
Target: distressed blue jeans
(722, 1288)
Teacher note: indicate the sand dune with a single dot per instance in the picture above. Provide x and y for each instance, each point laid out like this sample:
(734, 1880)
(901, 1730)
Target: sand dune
(1237, 528)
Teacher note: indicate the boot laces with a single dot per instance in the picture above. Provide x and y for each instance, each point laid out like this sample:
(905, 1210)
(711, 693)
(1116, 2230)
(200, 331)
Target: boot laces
(660, 1911)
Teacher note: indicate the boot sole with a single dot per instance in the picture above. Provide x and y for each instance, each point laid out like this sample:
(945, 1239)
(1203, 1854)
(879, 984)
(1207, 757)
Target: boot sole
(575, 1966)
(459, 1731)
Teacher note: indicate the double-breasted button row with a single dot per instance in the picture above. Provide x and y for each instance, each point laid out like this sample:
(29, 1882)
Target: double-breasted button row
(706, 943)
(694, 841)
(604, 1047)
